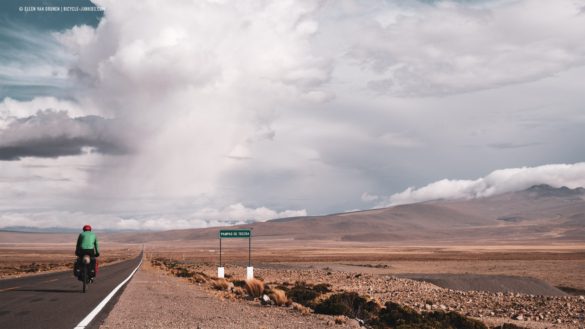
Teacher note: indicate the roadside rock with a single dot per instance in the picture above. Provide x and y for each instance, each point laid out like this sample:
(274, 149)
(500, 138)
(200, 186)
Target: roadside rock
(518, 317)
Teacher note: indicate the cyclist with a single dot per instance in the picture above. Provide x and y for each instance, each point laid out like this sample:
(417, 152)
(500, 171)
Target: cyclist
(87, 244)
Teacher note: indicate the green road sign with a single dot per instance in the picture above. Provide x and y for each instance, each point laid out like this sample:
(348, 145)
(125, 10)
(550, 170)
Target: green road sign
(235, 234)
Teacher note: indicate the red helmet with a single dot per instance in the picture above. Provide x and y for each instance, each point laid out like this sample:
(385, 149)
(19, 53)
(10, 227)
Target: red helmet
(87, 228)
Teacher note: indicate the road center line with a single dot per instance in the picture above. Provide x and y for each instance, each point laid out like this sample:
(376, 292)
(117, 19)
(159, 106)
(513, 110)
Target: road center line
(85, 322)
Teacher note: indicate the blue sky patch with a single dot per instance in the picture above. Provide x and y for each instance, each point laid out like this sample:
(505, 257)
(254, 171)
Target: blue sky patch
(32, 61)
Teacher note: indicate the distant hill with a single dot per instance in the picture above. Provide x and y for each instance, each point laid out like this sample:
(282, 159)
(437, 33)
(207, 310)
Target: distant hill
(540, 213)
(8, 237)
(28, 229)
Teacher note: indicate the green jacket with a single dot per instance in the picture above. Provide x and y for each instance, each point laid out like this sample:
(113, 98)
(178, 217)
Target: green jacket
(87, 240)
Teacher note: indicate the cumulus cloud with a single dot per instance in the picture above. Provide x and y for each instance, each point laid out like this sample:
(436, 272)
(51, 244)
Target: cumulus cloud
(367, 197)
(497, 182)
(51, 133)
(11, 108)
(196, 84)
(234, 214)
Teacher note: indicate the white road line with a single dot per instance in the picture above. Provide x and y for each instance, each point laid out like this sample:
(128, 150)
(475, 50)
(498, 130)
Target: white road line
(85, 322)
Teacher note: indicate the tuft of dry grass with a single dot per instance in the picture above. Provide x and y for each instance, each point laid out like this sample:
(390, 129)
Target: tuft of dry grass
(239, 291)
(254, 287)
(279, 297)
(301, 309)
(200, 277)
(340, 319)
(220, 284)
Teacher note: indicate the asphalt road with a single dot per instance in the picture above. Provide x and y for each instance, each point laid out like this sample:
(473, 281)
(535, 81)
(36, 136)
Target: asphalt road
(55, 300)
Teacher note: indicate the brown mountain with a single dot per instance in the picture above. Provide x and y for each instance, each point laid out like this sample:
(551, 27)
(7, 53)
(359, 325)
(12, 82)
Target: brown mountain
(540, 213)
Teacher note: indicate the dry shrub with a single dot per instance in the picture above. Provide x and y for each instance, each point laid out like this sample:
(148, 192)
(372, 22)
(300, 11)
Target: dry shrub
(303, 294)
(278, 296)
(239, 283)
(349, 304)
(398, 316)
(301, 309)
(254, 287)
(220, 284)
(508, 326)
(238, 291)
(182, 272)
(322, 288)
(200, 277)
(455, 320)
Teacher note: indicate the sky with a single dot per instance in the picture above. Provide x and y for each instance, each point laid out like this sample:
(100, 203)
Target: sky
(182, 114)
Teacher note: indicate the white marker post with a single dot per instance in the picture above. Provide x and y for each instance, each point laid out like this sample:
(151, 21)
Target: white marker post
(220, 269)
(250, 269)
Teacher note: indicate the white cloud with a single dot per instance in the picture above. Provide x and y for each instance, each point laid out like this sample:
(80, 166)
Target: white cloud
(207, 217)
(367, 197)
(450, 47)
(11, 108)
(196, 84)
(497, 182)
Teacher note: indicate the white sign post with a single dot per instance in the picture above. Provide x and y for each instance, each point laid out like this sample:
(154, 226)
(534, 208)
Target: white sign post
(236, 234)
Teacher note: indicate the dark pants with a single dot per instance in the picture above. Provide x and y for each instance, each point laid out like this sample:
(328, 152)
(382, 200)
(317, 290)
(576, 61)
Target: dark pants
(91, 253)
(83, 252)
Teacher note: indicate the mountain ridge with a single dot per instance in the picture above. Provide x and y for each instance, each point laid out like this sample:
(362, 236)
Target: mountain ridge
(537, 213)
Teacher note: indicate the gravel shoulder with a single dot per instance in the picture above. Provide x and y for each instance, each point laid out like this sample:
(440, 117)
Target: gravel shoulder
(154, 299)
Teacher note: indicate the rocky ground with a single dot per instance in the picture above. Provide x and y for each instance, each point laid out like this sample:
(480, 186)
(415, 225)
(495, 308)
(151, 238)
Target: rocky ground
(530, 311)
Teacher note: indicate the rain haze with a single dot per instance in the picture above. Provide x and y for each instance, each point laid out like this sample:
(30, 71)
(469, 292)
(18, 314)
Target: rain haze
(186, 114)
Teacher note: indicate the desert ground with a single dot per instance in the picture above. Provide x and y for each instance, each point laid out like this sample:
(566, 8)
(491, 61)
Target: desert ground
(529, 285)
(19, 259)
(561, 265)
(532, 286)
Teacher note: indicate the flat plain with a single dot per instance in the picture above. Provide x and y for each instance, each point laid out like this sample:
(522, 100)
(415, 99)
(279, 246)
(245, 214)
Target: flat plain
(513, 258)
(529, 285)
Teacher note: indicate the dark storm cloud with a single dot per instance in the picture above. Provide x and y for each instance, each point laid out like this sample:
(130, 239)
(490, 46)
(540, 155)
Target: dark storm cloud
(50, 134)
